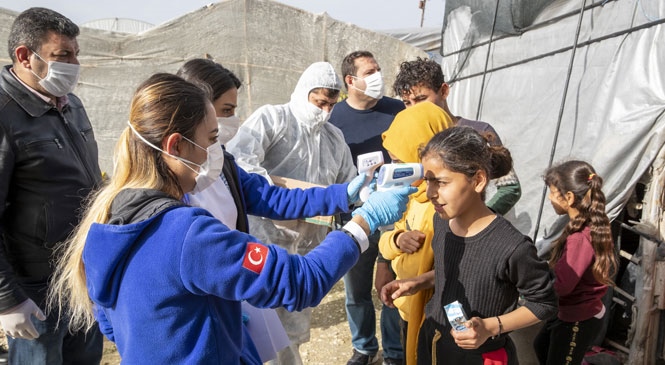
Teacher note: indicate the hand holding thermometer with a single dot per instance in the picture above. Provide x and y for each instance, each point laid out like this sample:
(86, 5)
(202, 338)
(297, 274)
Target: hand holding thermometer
(367, 164)
(396, 175)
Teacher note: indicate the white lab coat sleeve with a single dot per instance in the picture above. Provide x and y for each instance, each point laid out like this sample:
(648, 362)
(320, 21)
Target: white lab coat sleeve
(347, 170)
(254, 139)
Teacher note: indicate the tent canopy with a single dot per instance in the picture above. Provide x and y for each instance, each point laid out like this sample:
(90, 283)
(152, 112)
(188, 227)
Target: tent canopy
(606, 107)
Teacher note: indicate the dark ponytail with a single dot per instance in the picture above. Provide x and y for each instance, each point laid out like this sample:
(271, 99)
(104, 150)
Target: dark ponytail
(579, 178)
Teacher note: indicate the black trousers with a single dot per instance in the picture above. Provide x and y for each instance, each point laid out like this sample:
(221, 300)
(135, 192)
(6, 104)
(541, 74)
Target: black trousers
(565, 343)
(437, 347)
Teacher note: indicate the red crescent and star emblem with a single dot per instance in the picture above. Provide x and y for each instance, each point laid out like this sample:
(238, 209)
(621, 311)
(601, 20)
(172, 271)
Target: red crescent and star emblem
(255, 257)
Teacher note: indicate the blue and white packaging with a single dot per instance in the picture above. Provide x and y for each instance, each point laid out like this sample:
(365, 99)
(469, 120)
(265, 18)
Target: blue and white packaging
(456, 316)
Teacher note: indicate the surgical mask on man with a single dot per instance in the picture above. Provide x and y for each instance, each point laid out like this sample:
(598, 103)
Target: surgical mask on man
(373, 85)
(61, 77)
(209, 171)
(228, 127)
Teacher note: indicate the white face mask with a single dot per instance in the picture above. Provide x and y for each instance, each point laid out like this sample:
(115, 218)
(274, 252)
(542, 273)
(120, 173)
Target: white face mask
(316, 114)
(373, 85)
(211, 169)
(61, 77)
(228, 127)
(208, 172)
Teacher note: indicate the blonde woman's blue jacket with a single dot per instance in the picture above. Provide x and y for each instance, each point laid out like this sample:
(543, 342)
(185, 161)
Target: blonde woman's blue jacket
(167, 279)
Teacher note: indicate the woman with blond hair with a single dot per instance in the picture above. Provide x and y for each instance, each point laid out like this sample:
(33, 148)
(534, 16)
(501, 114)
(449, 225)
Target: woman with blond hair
(164, 279)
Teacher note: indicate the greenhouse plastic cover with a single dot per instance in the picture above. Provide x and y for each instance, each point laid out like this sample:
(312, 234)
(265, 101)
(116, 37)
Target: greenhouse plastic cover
(266, 44)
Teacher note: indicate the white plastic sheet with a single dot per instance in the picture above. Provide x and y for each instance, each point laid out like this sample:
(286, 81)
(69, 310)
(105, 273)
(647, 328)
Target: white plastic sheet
(614, 108)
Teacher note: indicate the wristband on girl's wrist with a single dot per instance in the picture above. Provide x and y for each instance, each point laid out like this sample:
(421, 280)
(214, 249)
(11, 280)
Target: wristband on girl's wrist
(500, 328)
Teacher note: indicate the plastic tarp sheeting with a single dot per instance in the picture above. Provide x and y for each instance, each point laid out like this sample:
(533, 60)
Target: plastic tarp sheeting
(512, 15)
(266, 44)
(613, 115)
(119, 25)
(427, 39)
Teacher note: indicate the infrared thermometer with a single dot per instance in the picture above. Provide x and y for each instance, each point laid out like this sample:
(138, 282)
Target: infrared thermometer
(396, 175)
(368, 163)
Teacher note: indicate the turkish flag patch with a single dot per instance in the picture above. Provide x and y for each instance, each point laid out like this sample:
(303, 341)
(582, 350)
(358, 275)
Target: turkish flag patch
(255, 257)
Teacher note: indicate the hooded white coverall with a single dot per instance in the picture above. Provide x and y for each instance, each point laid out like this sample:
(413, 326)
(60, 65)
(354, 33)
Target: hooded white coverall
(294, 140)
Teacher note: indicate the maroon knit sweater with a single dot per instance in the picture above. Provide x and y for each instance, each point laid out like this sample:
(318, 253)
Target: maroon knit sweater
(580, 294)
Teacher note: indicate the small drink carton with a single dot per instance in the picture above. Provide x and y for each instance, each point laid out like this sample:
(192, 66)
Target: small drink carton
(456, 315)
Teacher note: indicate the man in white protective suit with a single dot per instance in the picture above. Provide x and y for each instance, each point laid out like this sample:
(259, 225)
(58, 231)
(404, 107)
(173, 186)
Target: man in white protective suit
(295, 141)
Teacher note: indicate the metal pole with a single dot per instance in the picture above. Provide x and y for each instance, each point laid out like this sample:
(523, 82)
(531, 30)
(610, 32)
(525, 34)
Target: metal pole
(487, 60)
(421, 5)
(558, 124)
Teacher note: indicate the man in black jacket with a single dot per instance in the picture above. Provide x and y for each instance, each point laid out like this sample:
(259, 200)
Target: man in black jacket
(48, 165)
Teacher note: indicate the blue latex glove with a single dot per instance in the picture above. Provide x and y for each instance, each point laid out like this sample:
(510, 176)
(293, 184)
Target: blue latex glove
(385, 207)
(353, 189)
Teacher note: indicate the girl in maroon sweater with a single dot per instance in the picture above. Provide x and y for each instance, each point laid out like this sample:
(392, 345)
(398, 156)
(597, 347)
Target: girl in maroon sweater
(583, 260)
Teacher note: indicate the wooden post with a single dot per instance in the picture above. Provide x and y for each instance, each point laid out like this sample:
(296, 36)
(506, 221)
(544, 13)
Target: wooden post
(644, 306)
(659, 292)
(659, 285)
(643, 333)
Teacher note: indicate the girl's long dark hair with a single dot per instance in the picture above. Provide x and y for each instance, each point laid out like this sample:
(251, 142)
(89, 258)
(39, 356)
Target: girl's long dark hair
(579, 178)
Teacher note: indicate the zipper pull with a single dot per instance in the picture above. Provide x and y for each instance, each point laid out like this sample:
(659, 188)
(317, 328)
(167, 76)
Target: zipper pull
(57, 142)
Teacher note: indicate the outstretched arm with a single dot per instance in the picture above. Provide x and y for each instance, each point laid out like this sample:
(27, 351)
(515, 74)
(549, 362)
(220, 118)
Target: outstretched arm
(400, 288)
(266, 200)
(236, 266)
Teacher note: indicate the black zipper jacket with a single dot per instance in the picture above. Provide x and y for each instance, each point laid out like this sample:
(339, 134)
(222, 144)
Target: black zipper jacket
(48, 165)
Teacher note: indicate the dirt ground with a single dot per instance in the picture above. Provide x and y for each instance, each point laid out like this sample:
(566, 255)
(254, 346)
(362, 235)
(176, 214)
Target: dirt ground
(330, 342)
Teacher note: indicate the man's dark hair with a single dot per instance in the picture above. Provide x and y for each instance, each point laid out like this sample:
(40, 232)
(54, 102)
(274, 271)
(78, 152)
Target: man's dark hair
(349, 64)
(329, 93)
(419, 72)
(31, 27)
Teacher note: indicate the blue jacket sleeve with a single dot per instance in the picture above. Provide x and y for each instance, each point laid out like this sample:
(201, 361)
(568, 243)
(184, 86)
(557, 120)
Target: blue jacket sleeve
(274, 202)
(235, 266)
